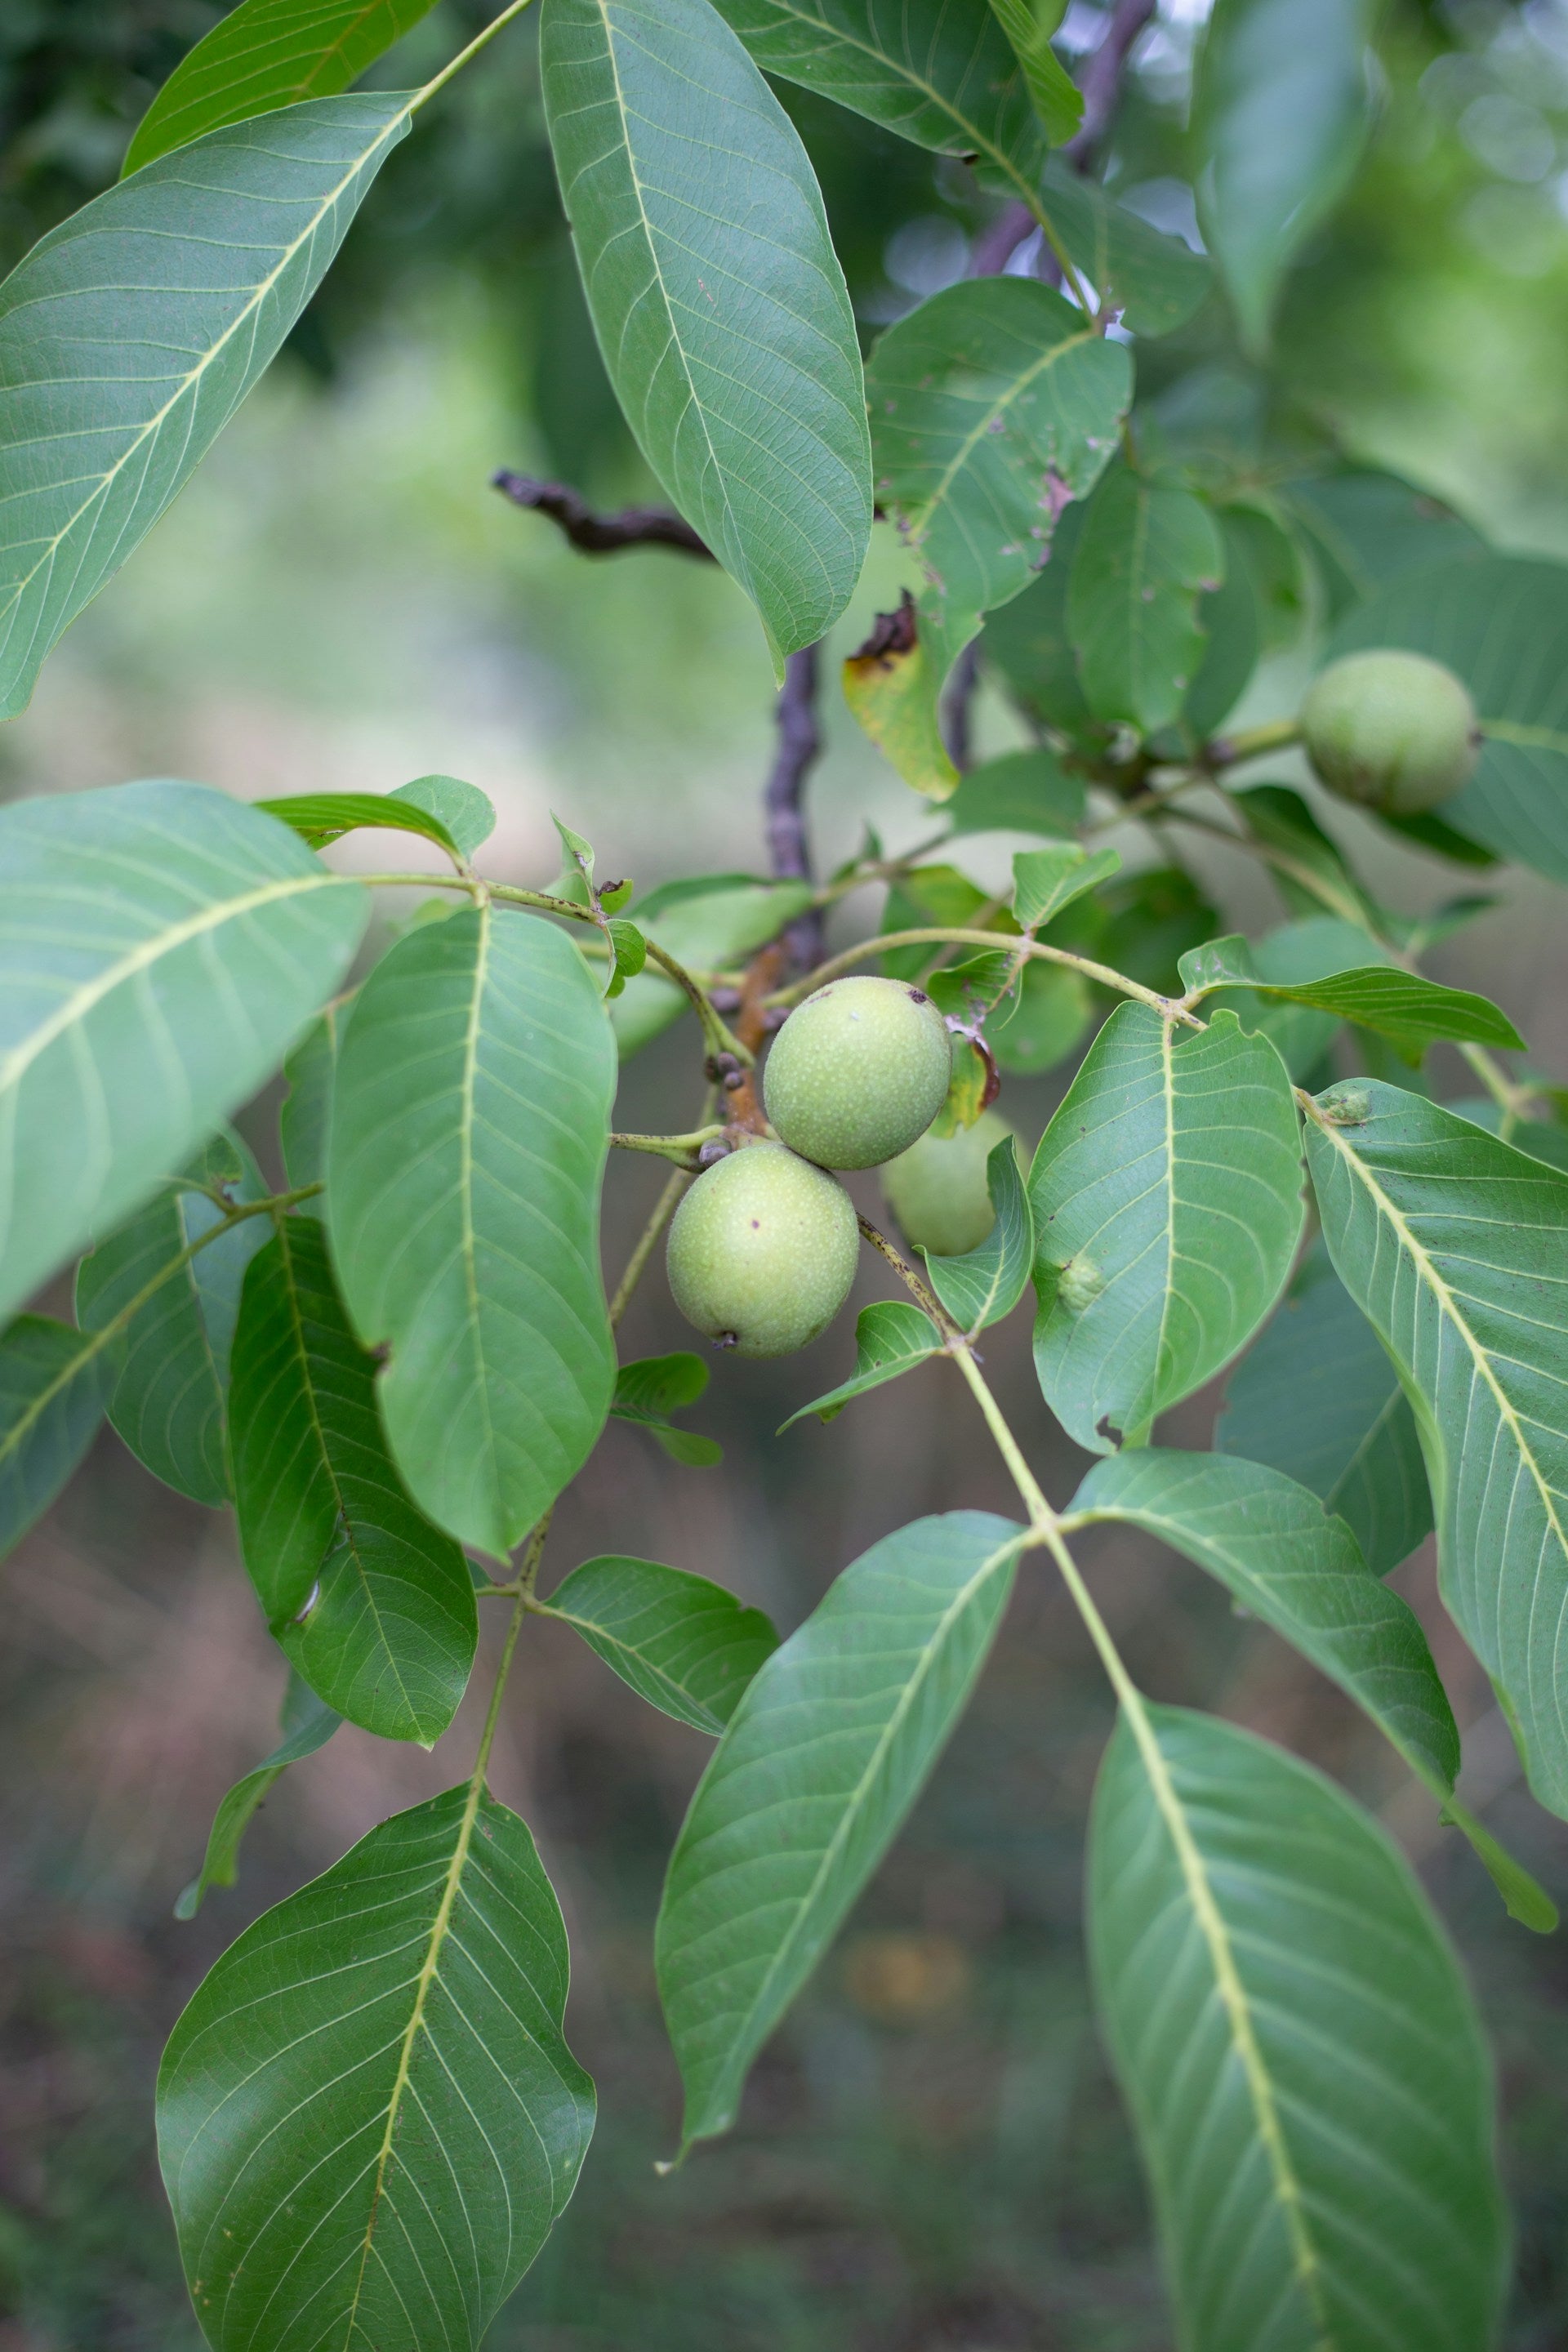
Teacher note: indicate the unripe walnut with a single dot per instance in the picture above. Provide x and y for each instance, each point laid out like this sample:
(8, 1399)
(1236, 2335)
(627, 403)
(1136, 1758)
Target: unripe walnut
(937, 1189)
(1392, 731)
(762, 1251)
(857, 1071)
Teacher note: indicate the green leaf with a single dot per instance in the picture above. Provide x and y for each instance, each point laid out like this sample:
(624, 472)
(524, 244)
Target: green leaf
(1055, 96)
(1047, 880)
(718, 300)
(130, 334)
(649, 1389)
(1147, 551)
(946, 78)
(1281, 106)
(1306, 864)
(706, 930)
(264, 55)
(55, 1387)
(992, 405)
(371, 1605)
(470, 1131)
(1303, 2061)
(629, 949)
(1166, 1194)
(1022, 791)
(1364, 526)
(368, 2119)
(159, 946)
(1452, 1245)
(1317, 1397)
(1498, 623)
(822, 1760)
(304, 1117)
(686, 1646)
(467, 814)
(308, 1724)
(1276, 1552)
(1231, 617)
(890, 1337)
(321, 817)
(170, 1402)
(1155, 281)
(1400, 1005)
(1314, 949)
(987, 1282)
(1027, 642)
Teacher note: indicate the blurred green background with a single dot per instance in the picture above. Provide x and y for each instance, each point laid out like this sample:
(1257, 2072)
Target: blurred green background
(931, 2157)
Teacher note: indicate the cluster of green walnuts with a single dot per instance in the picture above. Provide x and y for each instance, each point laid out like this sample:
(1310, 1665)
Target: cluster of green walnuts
(762, 1250)
(764, 1247)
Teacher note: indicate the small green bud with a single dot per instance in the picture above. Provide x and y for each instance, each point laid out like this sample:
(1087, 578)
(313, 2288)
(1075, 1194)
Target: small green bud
(1392, 731)
(857, 1071)
(762, 1251)
(937, 1188)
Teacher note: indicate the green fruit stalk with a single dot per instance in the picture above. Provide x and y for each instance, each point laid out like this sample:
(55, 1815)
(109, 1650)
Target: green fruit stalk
(1392, 730)
(762, 1251)
(857, 1071)
(937, 1189)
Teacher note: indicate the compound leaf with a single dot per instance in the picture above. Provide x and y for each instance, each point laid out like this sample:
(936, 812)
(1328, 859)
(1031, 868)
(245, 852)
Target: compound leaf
(1452, 1245)
(827, 1750)
(470, 1125)
(1317, 1397)
(308, 1724)
(1166, 1194)
(267, 54)
(719, 303)
(1047, 880)
(1303, 2061)
(993, 407)
(372, 1606)
(1498, 622)
(368, 2118)
(130, 334)
(1147, 551)
(159, 946)
(685, 1645)
(171, 1399)
(1274, 1547)
(55, 1387)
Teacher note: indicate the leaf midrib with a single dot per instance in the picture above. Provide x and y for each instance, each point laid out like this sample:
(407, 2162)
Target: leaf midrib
(194, 377)
(1238, 2012)
(1447, 1300)
(591, 1626)
(982, 431)
(82, 1000)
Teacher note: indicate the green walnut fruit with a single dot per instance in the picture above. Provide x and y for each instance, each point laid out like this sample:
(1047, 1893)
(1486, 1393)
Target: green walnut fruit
(857, 1071)
(762, 1251)
(1392, 731)
(937, 1188)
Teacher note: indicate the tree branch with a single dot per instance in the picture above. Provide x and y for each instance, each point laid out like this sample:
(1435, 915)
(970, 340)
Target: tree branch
(1101, 78)
(594, 534)
(783, 811)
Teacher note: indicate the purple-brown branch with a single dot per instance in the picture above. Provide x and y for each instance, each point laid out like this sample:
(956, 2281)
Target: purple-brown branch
(596, 534)
(784, 798)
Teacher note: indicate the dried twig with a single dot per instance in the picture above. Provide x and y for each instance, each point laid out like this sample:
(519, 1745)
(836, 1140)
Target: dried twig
(596, 534)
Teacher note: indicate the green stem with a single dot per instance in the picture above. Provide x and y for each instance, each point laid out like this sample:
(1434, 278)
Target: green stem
(669, 1147)
(1252, 743)
(924, 1298)
(479, 41)
(999, 942)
